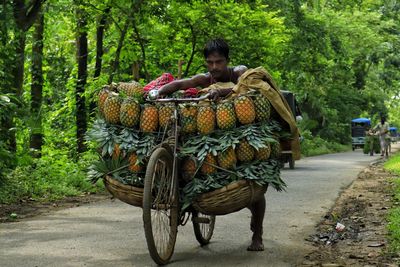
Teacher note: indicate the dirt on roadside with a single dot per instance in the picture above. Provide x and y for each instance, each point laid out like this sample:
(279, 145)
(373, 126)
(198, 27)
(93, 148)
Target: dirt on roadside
(362, 209)
(30, 208)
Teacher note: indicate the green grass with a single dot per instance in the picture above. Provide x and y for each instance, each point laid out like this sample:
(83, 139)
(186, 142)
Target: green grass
(315, 145)
(51, 177)
(393, 165)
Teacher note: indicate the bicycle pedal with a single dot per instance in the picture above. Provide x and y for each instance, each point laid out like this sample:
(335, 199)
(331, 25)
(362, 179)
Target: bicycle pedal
(201, 220)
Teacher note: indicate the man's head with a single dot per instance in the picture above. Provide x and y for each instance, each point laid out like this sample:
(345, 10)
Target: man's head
(383, 119)
(216, 54)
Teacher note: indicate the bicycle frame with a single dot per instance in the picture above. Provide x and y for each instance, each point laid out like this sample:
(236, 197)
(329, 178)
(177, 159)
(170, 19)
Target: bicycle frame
(175, 129)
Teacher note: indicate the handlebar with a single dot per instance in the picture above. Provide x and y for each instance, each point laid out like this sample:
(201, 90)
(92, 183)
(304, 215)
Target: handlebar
(180, 100)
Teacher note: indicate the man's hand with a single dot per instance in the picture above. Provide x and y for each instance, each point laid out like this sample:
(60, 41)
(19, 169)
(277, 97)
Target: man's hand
(214, 94)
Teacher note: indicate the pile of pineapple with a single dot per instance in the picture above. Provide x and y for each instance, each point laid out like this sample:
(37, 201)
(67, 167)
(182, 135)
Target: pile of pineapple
(220, 142)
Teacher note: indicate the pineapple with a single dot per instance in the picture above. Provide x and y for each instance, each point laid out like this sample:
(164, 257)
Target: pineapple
(103, 94)
(244, 151)
(206, 120)
(275, 150)
(225, 115)
(134, 166)
(263, 153)
(116, 152)
(130, 112)
(209, 163)
(165, 113)
(149, 119)
(112, 107)
(244, 108)
(188, 118)
(227, 159)
(189, 167)
(133, 89)
(263, 108)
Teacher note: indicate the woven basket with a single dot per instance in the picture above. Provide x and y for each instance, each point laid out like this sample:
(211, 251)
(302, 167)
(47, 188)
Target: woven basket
(230, 198)
(126, 193)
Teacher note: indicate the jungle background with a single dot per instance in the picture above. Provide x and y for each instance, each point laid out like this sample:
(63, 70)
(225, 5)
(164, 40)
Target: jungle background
(340, 58)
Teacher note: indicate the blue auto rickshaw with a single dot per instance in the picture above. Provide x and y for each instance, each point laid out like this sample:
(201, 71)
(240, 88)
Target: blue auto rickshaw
(393, 134)
(359, 127)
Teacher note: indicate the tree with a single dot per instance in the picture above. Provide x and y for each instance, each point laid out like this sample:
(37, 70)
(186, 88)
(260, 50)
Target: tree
(82, 59)
(36, 140)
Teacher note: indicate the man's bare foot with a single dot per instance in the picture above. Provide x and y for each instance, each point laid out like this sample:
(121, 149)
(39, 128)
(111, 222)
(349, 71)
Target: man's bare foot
(256, 246)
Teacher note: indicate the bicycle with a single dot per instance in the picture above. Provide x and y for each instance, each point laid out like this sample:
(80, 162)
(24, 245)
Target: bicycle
(161, 211)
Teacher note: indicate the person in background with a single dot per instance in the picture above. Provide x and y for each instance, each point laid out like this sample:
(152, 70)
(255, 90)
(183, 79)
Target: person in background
(383, 131)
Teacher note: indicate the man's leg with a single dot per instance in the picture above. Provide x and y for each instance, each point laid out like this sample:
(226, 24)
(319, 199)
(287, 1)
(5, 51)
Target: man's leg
(257, 217)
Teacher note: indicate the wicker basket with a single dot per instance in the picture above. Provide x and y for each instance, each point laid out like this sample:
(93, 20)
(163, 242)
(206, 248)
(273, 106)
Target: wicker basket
(126, 193)
(230, 198)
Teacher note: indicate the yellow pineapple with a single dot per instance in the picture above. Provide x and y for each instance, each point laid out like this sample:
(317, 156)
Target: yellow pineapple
(130, 112)
(165, 114)
(206, 120)
(189, 167)
(134, 166)
(225, 116)
(263, 153)
(208, 166)
(116, 152)
(188, 118)
(103, 94)
(244, 109)
(149, 119)
(227, 159)
(112, 107)
(244, 151)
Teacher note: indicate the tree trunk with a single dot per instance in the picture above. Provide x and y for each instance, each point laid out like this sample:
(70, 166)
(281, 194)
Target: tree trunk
(24, 15)
(36, 140)
(82, 55)
(118, 52)
(142, 49)
(135, 70)
(194, 43)
(99, 53)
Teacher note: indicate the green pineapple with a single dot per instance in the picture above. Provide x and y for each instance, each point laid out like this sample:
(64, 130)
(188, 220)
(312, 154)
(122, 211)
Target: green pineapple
(263, 108)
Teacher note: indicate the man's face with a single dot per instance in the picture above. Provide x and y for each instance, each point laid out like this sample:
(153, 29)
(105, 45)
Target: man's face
(216, 64)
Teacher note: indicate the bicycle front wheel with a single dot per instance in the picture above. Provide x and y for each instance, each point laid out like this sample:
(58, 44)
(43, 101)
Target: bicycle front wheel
(160, 206)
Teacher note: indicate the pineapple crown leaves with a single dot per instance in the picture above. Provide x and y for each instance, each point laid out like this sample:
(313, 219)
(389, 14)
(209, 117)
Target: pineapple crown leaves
(117, 167)
(128, 139)
(105, 135)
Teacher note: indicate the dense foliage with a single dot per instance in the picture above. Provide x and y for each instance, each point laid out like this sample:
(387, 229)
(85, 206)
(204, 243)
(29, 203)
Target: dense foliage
(339, 57)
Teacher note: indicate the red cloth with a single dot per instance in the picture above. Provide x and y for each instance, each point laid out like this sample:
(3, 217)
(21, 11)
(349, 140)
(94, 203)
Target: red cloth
(160, 81)
(163, 80)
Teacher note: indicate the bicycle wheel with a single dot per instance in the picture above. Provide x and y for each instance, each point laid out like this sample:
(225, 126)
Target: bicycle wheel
(160, 206)
(203, 226)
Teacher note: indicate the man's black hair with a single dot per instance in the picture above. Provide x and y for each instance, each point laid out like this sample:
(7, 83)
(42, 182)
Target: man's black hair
(216, 45)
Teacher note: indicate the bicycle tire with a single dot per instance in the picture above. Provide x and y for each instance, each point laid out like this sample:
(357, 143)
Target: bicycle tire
(203, 230)
(160, 206)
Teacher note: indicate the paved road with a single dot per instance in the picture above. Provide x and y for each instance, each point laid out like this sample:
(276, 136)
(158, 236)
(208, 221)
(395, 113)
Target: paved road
(110, 233)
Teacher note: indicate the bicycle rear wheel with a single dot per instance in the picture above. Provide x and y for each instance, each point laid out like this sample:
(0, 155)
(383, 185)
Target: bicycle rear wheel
(160, 206)
(203, 226)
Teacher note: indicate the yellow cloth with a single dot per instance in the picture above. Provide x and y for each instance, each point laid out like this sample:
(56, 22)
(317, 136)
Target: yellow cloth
(259, 79)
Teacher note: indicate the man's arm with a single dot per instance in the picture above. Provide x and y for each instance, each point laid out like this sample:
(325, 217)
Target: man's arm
(197, 80)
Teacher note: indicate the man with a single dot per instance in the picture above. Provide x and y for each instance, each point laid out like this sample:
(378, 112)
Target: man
(216, 54)
(383, 131)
